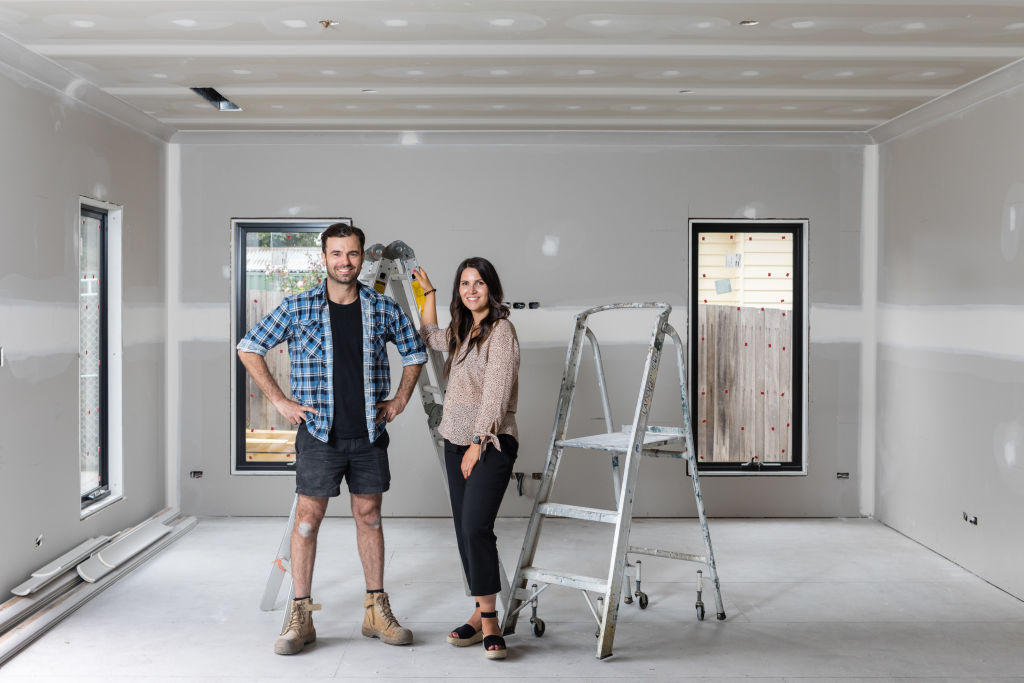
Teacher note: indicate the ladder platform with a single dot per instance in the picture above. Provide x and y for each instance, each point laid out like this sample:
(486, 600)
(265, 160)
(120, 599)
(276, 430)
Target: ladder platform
(619, 441)
(577, 512)
(584, 583)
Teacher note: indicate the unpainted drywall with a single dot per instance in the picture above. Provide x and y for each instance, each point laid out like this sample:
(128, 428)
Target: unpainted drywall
(951, 319)
(620, 214)
(54, 151)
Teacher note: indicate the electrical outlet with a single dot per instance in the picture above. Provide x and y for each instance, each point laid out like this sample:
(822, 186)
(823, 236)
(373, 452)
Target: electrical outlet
(842, 475)
(196, 474)
(536, 475)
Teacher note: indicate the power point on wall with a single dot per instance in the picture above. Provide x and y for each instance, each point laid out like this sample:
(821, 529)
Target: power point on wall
(536, 475)
(518, 305)
(196, 474)
(842, 475)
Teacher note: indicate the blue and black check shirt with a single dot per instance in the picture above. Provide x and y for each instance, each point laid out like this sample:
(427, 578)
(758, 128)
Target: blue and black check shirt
(303, 320)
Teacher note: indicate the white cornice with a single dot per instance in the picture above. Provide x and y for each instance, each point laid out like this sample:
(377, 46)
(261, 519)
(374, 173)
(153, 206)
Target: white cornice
(512, 137)
(871, 52)
(996, 83)
(18, 59)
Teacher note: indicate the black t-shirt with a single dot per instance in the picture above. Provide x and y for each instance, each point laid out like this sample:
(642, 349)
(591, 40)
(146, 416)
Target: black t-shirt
(349, 400)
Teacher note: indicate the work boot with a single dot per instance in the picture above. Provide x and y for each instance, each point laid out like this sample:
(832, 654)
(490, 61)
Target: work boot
(379, 622)
(299, 631)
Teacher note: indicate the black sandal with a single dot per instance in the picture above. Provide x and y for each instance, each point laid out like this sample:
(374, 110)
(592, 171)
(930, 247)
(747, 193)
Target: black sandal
(490, 641)
(465, 635)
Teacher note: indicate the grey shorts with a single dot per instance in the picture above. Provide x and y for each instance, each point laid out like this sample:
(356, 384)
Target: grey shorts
(320, 467)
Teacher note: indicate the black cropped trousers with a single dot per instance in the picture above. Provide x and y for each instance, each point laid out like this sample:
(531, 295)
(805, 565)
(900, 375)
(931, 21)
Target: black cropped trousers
(475, 503)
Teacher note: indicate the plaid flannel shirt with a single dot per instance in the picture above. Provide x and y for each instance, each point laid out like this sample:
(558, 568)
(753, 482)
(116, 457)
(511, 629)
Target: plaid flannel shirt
(304, 321)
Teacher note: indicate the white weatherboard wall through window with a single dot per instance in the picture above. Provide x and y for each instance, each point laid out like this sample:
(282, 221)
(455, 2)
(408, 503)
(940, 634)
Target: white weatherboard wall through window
(56, 150)
(570, 224)
(951, 338)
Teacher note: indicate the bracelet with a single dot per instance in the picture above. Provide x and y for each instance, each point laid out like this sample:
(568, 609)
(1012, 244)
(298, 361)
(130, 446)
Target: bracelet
(430, 291)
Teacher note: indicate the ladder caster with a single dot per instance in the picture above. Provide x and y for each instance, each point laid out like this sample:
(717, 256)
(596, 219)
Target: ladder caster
(700, 611)
(642, 600)
(538, 626)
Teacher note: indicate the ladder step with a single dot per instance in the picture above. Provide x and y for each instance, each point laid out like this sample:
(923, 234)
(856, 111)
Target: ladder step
(617, 441)
(586, 583)
(577, 512)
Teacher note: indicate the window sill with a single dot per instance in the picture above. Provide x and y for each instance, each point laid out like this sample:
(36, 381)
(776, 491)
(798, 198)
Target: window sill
(101, 504)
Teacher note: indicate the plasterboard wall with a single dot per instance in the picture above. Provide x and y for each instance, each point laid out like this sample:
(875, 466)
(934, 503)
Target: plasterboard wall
(54, 151)
(620, 212)
(951, 319)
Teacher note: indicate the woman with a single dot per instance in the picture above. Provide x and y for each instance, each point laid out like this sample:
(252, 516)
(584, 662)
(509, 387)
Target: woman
(479, 428)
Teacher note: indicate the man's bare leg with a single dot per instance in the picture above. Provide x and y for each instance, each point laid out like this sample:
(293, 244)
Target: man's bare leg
(309, 513)
(369, 537)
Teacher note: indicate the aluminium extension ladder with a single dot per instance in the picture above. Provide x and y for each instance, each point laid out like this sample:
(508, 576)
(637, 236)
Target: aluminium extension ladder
(634, 441)
(391, 265)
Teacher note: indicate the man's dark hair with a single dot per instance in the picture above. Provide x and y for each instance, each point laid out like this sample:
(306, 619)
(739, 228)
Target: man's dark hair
(342, 230)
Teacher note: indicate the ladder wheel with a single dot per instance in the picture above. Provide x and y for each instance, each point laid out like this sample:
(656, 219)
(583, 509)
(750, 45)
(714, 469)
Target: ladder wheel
(642, 600)
(700, 611)
(538, 626)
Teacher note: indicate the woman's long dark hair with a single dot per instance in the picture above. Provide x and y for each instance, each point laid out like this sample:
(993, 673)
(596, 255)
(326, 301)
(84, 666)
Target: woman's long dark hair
(462, 319)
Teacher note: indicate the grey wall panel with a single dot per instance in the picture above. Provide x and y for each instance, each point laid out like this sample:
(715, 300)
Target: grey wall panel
(620, 213)
(950, 406)
(952, 443)
(55, 150)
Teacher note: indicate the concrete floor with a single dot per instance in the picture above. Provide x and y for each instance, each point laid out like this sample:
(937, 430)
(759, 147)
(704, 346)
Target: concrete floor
(818, 600)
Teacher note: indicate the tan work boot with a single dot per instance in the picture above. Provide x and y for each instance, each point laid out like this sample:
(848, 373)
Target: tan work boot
(299, 631)
(379, 622)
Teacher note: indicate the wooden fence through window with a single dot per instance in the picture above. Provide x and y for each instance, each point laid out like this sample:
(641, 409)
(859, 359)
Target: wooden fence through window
(744, 383)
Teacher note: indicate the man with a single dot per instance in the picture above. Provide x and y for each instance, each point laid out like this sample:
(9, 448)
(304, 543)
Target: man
(336, 335)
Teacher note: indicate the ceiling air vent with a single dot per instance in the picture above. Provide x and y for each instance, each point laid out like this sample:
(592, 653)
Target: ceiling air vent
(218, 101)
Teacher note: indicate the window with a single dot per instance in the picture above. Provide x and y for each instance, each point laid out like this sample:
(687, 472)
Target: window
(273, 259)
(93, 441)
(746, 345)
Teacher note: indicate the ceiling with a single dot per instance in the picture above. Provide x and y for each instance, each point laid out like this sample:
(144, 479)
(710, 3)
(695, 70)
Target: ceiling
(516, 65)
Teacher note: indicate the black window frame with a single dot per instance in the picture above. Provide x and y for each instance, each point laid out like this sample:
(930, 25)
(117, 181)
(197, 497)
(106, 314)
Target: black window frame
(796, 228)
(242, 230)
(103, 489)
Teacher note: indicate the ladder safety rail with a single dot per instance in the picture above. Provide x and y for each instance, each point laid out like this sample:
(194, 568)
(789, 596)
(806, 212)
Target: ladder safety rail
(627, 448)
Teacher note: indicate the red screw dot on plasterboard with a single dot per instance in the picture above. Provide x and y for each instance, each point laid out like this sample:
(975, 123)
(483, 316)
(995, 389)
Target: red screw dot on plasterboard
(702, 338)
(783, 450)
(702, 239)
(743, 429)
(783, 237)
(769, 346)
(783, 348)
(787, 424)
(783, 393)
(730, 236)
(727, 391)
(252, 430)
(755, 457)
(762, 393)
(703, 421)
(248, 457)
(271, 429)
(702, 393)
(737, 308)
(769, 274)
(705, 300)
(703, 274)
(750, 239)
(773, 429)
(787, 274)
(783, 315)
(280, 351)
(255, 301)
(252, 395)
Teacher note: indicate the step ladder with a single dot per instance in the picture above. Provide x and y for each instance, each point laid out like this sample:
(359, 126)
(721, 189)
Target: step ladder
(388, 269)
(633, 442)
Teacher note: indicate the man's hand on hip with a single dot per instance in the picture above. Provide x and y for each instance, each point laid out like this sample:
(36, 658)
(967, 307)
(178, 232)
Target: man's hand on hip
(292, 411)
(389, 410)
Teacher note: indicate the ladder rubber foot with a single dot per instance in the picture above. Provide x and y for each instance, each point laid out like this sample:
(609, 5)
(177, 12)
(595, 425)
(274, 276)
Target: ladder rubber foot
(721, 616)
